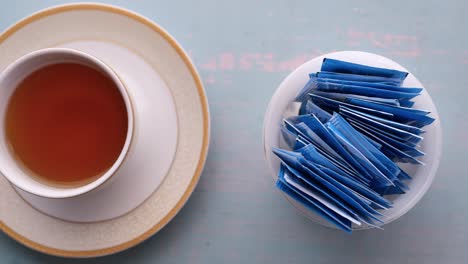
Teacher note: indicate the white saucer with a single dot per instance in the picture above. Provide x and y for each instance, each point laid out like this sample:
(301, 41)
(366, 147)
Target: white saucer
(149, 158)
(280, 107)
(170, 142)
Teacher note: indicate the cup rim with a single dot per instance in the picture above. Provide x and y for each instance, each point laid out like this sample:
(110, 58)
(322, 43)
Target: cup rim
(68, 192)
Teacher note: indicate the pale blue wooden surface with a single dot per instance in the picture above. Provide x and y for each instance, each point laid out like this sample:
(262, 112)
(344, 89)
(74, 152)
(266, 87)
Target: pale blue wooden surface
(243, 49)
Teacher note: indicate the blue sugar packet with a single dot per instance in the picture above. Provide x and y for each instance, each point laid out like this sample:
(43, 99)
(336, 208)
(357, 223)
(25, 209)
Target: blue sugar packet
(342, 97)
(315, 125)
(379, 179)
(405, 137)
(302, 95)
(322, 147)
(314, 139)
(294, 130)
(332, 217)
(398, 155)
(369, 202)
(315, 191)
(390, 150)
(321, 144)
(312, 86)
(363, 90)
(299, 144)
(372, 172)
(345, 193)
(300, 129)
(368, 169)
(383, 163)
(364, 217)
(373, 142)
(362, 200)
(317, 141)
(392, 109)
(374, 85)
(332, 65)
(289, 158)
(357, 78)
(310, 153)
(404, 176)
(339, 163)
(327, 189)
(333, 198)
(380, 166)
(406, 103)
(364, 191)
(389, 190)
(400, 184)
(409, 116)
(292, 140)
(310, 108)
(373, 123)
(312, 204)
(333, 106)
(289, 137)
(413, 141)
(407, 148)
(308, 125)
(399, 188)
(363, 116)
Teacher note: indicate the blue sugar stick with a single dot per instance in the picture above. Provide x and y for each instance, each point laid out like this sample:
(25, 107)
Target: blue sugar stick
(332, 65)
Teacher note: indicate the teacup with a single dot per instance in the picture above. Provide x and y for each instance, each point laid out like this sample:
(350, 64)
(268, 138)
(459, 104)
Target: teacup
(10, 166)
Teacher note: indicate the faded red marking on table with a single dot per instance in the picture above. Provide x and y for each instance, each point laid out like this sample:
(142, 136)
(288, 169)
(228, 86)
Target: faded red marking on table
(210, 65)
(227, 61)
(389, 44)
(269, 62)
(397, 44)
(265, 62)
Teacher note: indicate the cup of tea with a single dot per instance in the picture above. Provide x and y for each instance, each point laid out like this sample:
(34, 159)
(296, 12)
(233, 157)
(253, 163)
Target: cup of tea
(66, 123)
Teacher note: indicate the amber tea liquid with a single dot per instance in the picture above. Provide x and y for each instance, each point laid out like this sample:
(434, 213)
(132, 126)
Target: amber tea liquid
(66, 123)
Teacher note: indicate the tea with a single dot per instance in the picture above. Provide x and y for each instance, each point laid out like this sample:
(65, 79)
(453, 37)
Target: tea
(66, 123)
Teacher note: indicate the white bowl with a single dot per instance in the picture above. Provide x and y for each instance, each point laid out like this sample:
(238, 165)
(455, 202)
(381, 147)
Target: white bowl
(280, 107)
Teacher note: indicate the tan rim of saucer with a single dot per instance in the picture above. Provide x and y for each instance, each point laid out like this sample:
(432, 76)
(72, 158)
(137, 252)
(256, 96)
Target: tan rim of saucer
(105, 251)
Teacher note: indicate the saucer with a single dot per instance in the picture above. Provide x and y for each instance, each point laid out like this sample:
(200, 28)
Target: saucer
(423, 175)
(170, 141)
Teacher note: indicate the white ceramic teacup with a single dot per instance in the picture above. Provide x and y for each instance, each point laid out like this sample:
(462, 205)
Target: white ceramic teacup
(10, 78)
